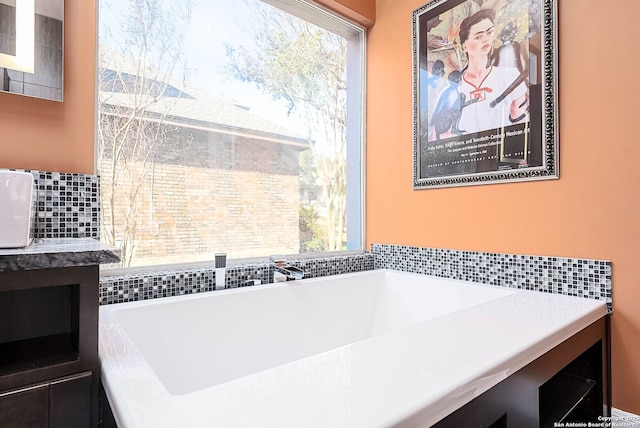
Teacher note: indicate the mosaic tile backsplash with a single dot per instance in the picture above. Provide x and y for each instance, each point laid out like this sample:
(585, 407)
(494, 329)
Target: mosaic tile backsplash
(66, 205)
(133, 287)
(572, 277)
(569, 276)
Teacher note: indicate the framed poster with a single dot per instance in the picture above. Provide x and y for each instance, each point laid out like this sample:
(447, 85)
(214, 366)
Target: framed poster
(484, 92)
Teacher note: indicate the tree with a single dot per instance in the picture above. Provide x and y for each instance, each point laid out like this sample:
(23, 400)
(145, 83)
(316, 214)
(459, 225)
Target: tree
(136, 66)
(293, 60)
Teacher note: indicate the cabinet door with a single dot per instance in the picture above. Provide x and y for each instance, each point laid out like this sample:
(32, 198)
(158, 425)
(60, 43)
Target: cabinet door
(70, 402)
(25, 408)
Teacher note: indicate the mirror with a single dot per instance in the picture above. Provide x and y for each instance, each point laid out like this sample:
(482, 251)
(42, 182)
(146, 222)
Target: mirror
(31, 48)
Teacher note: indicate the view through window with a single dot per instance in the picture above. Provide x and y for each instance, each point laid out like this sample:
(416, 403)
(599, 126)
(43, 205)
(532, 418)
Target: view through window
(228, 126)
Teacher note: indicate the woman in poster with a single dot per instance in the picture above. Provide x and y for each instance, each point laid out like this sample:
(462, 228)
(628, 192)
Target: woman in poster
(495, 96)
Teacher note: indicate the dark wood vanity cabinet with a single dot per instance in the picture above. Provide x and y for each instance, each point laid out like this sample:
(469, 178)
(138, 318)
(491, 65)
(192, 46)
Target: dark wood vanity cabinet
(570, 383)
(61, 403)
(49, 367)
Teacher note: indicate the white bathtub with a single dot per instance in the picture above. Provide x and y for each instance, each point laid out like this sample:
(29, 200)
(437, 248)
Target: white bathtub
(257, 356)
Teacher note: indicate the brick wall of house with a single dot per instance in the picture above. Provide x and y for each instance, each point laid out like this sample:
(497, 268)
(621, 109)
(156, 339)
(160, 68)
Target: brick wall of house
(223, 194)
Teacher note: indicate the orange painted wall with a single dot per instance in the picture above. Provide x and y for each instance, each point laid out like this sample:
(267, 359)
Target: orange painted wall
(592, 211)
(48, 135)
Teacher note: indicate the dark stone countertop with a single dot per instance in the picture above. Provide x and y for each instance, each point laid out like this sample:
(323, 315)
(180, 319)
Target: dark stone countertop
(57, 253)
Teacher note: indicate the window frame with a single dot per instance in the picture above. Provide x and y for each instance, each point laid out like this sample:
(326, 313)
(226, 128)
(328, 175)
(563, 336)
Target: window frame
(355, 35)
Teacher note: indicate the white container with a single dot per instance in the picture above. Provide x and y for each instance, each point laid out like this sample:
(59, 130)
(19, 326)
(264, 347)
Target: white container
(16, 203)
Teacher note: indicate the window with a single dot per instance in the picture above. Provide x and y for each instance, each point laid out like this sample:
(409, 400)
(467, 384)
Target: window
(228, 126)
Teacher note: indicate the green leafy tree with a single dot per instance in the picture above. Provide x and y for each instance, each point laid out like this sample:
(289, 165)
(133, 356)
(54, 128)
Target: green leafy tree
(293, 60)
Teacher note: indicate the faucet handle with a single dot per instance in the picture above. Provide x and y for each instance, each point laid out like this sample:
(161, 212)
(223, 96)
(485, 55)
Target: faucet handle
(220, 260)
(220, 263)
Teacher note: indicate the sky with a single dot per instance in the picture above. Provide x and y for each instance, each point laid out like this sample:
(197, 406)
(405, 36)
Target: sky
(212, 23)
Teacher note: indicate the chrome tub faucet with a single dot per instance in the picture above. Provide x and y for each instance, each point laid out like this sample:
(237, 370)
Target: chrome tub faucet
(283, 271)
